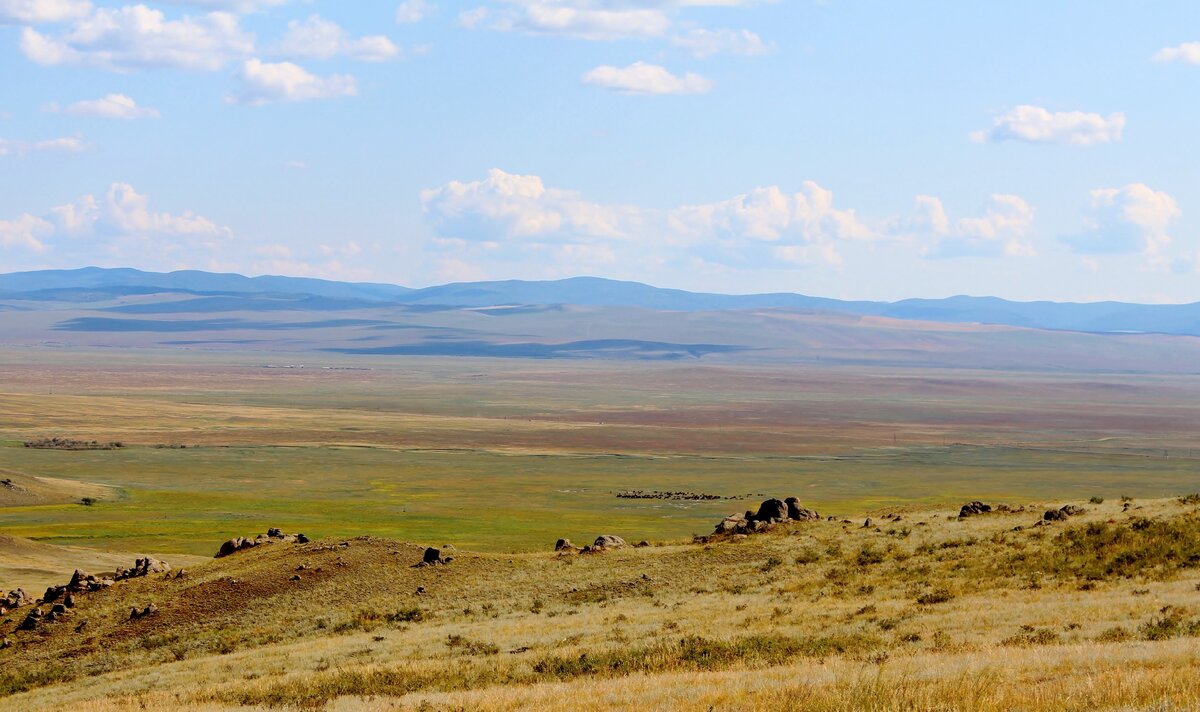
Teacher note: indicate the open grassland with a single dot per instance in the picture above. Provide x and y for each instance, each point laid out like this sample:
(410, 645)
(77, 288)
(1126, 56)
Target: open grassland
(920, 610)
(508, 455)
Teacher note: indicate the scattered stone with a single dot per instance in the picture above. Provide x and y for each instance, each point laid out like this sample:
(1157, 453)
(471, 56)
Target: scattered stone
(1061, 514)
(432, 556)
(770, 512)
(642, 544)
(800, 514)
(867, 523)
(274, 535)
(971, 509)
(609, 541)
(31, 620)
(420, 590)
(295, 577)
(142, 567)
(149, 610)
(564, 545)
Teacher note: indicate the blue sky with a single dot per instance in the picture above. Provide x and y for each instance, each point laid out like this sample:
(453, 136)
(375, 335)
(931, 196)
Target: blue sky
(1028, 150)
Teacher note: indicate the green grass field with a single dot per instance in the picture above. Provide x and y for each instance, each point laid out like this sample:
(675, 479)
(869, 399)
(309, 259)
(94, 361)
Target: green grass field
(506, 456)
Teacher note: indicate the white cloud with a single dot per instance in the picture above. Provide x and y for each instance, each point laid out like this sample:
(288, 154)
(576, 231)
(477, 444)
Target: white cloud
(241, 6)
(66, 144)
(321, 38)
(508, 212)
(137, 37)
(1033, 124)
(24, 232)
(582, 20)
(111, 106)
(265, 83)
(32, 12)
(705, 43)
(507, 206)
(1001, 230)
(120, 224)
(124, 211)
(470, 19)
(643, 78)
(770, 215)
(1188, 53)
(295, 165)
(1134, 218)
(410, 11)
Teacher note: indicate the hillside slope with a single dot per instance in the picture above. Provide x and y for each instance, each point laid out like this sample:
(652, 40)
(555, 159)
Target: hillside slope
(1092, 613)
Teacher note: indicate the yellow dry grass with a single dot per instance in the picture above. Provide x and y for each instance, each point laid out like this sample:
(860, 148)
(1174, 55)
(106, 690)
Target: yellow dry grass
(817, 616)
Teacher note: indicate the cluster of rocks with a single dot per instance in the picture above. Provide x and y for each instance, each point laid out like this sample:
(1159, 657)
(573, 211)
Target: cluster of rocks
(1061, 514)
(63, 597)
(87, 583)
(434, 557)
(655, 494)
(273, 536)
(604, 542)
(971, 509)
(136, 613)
(770, 513)
(14, 599)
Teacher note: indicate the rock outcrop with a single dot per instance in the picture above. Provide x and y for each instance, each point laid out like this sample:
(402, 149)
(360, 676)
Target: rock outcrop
(609, 541)
(770, 513)
(15, 599)
(273, 536)
(1061, 514)
(971, 509)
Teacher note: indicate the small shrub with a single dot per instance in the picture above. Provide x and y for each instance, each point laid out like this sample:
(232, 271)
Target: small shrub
(1096, 500)
(936, 595)
(1116, 634)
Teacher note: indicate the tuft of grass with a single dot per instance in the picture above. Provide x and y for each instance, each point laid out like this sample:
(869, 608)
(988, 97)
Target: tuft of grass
(1150, 548)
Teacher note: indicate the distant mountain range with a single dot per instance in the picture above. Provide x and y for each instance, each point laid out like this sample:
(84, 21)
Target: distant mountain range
(207, 292)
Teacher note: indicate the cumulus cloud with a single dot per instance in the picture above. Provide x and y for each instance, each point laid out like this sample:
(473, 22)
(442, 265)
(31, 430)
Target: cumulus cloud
(265, 83)
(124, 211)
(806, 219)
(66, 144)
(31, 12)
(1033, 124)
(242, 6)
(26, 232)
(119, 223)
(648, 79)
(1001, 230)
(1134, 218)
(137, 37)
(580, 20)
(322, 39)
(1188, 53)
(111, 106)
(509, 206)
(410, 11)
(506, 212)
(703, 43)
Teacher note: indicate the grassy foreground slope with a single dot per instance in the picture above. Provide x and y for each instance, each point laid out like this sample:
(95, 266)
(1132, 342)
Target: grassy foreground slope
(918, 610)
